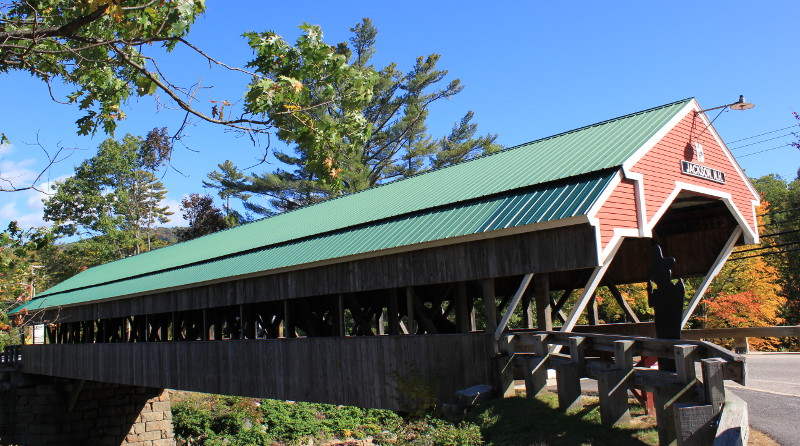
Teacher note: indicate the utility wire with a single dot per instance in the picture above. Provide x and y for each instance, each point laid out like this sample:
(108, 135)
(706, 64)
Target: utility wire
(766, 254)
(780, 233)
(768, 247)
(759, 142)
(761, 134)
(765, 150)
(780, 212)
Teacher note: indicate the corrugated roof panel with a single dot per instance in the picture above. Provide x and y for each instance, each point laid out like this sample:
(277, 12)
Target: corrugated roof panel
(456, 220)
(588, 149)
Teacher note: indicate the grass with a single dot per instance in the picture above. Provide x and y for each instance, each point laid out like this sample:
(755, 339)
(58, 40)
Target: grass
(214, 420)
(528, 421)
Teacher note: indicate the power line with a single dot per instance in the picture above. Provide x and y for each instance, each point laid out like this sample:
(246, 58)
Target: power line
(780, 233)
(768, 247)
(780, 212)
(767, 254)
(762, 151)
(761, 134)
(763, 140)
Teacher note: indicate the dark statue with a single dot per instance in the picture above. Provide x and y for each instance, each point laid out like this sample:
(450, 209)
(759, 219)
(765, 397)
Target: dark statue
(666, 300)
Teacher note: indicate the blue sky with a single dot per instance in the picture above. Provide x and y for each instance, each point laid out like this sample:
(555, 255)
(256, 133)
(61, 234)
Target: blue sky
(531, 69)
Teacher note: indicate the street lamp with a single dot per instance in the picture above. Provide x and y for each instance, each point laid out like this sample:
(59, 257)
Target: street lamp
(738, 105)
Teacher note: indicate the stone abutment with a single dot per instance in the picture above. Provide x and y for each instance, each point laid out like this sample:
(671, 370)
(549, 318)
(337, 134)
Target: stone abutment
(42, 410)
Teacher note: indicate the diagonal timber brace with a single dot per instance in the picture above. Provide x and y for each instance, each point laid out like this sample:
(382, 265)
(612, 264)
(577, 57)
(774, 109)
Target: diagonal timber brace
(590, 288)
(526, 280)
(715, 269)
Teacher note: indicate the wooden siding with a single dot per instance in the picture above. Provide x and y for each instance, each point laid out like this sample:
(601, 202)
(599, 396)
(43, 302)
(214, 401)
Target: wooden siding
(661, 168)
(357, 371)
(558, 249)
(618, 211)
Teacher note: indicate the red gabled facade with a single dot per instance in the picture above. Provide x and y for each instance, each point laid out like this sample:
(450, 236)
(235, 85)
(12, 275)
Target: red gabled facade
(654, 176)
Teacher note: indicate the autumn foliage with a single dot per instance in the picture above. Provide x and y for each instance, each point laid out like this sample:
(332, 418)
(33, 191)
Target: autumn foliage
(746, 293)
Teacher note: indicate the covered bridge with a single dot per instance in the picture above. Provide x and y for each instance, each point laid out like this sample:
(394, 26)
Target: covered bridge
(337, 301)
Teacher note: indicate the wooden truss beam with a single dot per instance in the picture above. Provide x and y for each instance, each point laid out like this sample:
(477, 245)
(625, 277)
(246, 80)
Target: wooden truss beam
(523, 285)
(715, 269)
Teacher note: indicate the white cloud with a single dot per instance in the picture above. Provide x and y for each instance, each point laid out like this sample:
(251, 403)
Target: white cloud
(26, 207)
(15, 173)
(176, 219)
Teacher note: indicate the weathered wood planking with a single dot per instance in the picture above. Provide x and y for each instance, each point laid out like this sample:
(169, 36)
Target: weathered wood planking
(358, 371)
(558, 249)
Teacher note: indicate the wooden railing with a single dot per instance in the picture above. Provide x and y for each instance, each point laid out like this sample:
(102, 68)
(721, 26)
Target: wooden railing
(685, 405)
(11, 357)
(740, 335)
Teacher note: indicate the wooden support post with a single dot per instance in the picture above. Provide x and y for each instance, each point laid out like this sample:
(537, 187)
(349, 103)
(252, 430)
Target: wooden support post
(576, 350)
(340, 315)
(289, 330)
(613, 392)
(536, 367)
(462, 308)
(694, 424)
(713, 382)
(473, 321)
(126, 330)
(504, 367)
(380, 322)
(568, 381)
(489, 304)
(665, 398)
(684, 363)
(527, 310)
(541, 288)
(592, 314)
(106, 331)
(568, 377)
(241, 321)
(394, 313)
(410, 310)
(218, 321)
(612, 387)
(204, 330)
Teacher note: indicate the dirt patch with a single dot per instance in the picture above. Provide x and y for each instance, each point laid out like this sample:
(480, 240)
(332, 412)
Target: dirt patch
(758, 438)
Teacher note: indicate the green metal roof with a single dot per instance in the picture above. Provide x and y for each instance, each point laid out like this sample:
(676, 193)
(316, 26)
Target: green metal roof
(512, 187)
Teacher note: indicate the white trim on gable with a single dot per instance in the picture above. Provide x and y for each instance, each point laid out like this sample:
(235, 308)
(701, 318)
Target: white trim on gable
(601, 200)
(713, 132)
(657, 137)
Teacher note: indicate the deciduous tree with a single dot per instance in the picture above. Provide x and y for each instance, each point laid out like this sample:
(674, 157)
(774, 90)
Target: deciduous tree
(203, 217)
(398, 146)
(101, 50)
(114, 198)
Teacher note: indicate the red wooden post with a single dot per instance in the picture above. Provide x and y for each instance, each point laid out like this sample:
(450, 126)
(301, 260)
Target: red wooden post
(646, 398)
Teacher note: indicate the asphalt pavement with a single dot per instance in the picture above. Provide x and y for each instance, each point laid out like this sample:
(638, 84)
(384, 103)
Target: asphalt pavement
(773, 395)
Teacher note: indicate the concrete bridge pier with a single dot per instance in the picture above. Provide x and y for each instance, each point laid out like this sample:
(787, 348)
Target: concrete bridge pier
(43, 410)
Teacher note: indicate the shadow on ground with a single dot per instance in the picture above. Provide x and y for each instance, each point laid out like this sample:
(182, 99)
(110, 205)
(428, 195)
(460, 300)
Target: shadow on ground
(521, 421)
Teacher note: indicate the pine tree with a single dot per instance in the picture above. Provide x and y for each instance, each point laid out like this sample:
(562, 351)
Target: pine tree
(398, 146)
(113, 198)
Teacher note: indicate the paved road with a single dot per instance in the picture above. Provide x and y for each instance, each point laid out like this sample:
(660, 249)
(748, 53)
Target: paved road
(773, 395)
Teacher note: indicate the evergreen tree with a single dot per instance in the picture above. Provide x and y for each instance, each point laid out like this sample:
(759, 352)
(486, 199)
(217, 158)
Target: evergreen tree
(226, 182)
(398, 146)
(113, 198)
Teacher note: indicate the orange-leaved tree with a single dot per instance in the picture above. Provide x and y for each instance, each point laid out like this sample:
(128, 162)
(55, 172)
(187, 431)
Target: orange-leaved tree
(746, 293)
